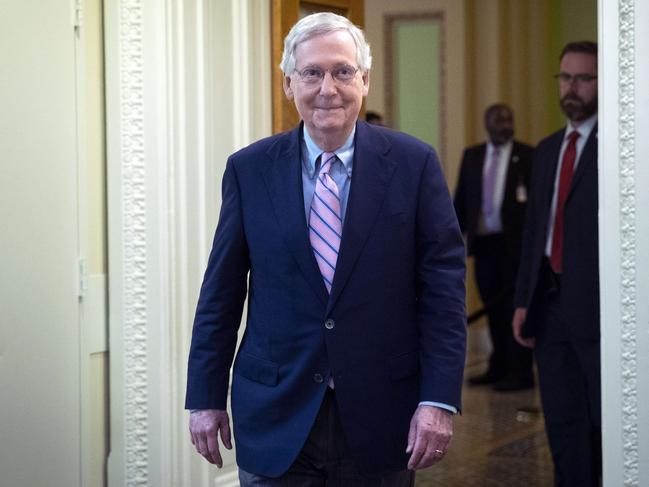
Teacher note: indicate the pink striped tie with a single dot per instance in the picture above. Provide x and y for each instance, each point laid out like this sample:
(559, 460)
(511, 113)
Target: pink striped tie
(325, 222)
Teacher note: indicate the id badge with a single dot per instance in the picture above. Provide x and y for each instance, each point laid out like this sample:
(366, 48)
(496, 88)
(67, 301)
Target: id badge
(521, 194)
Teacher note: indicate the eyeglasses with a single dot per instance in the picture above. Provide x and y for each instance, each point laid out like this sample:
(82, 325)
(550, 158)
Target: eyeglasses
(313, 75)
(580, 79)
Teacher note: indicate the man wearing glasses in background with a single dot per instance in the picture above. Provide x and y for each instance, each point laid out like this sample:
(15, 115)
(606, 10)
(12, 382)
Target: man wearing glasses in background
(557, 292)
(344, 239)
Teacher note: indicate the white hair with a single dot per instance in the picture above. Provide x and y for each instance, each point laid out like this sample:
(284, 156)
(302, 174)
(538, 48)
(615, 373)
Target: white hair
(320, 24)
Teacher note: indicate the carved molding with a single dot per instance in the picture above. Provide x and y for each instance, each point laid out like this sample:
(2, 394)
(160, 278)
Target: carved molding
(133, 189)
(628, 314)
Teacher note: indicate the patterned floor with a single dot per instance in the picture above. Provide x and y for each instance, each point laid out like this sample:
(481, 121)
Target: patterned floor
(499, 439)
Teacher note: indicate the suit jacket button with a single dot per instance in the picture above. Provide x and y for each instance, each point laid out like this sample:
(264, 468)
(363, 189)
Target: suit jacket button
(329, 324)
(318, 378)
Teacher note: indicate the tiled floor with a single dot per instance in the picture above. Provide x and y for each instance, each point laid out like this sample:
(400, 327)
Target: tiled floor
(495, 443)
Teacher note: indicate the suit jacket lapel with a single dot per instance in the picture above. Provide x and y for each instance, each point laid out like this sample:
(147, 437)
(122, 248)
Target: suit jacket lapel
(477, 166)
(283, 178)
(480, 155)
(512, 178)
(371, 176)
(550, 168)
(588, 157)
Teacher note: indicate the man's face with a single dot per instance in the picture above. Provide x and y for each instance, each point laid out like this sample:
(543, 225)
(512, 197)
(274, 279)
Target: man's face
(329, 108)
(500, 126)
(578, 96)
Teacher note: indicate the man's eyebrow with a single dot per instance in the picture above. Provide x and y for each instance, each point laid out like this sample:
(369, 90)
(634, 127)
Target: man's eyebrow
(336, 65)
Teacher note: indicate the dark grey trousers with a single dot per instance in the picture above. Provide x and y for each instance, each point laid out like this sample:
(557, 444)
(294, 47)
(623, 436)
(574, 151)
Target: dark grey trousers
(324, 460)
(569, 376)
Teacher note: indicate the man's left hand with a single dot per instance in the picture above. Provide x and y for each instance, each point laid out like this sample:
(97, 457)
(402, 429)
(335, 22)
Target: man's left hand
(431, 429)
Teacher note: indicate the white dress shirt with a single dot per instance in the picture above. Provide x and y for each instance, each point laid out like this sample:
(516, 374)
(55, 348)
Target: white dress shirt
(493, 223)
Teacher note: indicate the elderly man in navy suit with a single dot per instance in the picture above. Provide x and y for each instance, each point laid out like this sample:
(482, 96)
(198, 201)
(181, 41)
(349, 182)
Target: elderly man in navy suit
(557, 291)
(344, 239)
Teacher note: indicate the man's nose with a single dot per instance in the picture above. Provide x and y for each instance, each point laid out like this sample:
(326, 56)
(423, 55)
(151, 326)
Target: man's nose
(573, 87)
(328, 85)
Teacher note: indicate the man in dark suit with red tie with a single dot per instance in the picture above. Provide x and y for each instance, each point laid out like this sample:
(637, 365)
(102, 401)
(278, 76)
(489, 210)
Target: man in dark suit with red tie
(557, 292)
(490, 201)
(343, 238)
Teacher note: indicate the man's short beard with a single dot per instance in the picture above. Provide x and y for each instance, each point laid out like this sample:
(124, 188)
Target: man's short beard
(576, 110)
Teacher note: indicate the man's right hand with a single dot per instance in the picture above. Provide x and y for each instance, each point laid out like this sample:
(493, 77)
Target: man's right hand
(204, 426)
(520, 314)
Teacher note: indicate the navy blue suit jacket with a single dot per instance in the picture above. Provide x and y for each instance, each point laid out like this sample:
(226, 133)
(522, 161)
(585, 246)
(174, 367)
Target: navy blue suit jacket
(468, 195)
(396, 305)
(580, 277)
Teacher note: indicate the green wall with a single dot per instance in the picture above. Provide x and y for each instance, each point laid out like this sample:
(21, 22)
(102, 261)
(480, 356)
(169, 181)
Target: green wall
(572, 20)
(417, 83)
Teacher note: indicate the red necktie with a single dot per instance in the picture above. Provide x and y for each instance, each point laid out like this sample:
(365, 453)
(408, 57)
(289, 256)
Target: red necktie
(565, 178)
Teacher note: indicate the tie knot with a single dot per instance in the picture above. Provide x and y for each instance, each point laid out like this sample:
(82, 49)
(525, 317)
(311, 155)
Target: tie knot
(326, 161)
(574, 135)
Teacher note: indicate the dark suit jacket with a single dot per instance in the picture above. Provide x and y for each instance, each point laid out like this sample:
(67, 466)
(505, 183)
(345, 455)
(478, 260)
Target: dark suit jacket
(468, 195)
(397, 303)
(580, 277)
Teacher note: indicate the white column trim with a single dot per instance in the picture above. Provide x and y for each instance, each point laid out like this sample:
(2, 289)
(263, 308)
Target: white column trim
(176, 107)
(627, 229)
(133, 242)
(138, 235)
(624, 239)
(240, 74)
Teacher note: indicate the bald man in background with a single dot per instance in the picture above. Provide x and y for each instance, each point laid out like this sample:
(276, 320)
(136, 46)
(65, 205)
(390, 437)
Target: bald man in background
(490, 201)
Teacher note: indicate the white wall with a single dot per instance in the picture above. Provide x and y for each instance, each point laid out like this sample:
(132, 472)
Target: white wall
(45, 311)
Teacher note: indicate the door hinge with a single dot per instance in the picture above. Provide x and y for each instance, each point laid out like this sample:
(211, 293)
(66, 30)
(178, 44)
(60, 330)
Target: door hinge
(82, 269)
(77, 20)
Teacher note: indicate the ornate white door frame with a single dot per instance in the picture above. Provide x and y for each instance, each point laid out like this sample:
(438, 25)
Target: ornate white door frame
(181, 75)
(624, 238)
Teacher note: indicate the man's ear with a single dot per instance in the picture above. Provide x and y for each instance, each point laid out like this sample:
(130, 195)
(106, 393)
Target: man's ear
(366, 83)
(288, 89)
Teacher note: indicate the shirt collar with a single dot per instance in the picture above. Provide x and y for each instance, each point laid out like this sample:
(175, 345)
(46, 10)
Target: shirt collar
(345, 152)
(503, 147)
(584, 128)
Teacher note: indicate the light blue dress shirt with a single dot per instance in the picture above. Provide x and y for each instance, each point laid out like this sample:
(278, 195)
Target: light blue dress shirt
(341, 171)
